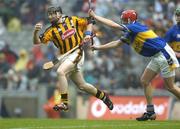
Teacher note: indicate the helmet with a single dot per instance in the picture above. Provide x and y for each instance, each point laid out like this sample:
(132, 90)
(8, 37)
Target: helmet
(177, 11)
(129, 16)
(177, 15)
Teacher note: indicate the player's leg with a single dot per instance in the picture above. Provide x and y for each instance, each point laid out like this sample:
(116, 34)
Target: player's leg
(169, 74)
(170, 86)
(159, 62)
(149, 73)
(177, 77)
(146, 79)
(66, 67)
(78, 79)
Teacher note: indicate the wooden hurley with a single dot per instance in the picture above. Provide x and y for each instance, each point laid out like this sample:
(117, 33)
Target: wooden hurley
(50, 64)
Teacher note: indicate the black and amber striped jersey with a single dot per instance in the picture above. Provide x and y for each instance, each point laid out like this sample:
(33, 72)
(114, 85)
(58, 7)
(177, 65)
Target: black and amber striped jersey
(66, 34)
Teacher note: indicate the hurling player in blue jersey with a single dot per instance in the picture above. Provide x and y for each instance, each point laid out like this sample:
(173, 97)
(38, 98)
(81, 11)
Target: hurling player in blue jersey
(148, 44)
(172, 36)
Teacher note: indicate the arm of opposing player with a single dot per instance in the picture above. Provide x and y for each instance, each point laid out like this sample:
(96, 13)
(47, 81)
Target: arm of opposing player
(107, 22)
(177, 54)
(113, 44)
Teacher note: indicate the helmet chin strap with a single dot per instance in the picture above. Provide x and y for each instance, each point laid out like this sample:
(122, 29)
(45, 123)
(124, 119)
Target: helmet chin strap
(129, 21)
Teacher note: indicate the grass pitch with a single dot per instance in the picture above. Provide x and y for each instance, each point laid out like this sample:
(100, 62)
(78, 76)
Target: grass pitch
(85, 124)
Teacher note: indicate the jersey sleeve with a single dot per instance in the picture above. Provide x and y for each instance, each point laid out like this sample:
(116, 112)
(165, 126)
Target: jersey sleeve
(46, 36)
(80, 21)
(125, 34)
(126, 28)
(167, 36)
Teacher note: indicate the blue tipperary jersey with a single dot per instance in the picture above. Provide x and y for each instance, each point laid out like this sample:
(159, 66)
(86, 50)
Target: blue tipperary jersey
(172, 37)
(142, 39)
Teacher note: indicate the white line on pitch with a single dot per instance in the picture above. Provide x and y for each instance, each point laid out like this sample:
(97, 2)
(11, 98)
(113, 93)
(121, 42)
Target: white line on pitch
(83, 126)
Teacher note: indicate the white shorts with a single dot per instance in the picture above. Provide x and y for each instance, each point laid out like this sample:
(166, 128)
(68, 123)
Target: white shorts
(159, 63)
(76, 57)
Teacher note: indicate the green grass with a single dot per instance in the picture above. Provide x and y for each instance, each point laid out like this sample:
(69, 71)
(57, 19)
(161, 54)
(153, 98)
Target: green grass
(85, 124)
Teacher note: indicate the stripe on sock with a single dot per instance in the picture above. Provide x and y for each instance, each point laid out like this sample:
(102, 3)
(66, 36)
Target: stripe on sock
(64, 98)
(100, 94)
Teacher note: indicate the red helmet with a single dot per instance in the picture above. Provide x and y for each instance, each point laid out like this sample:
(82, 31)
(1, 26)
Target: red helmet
(129, 16)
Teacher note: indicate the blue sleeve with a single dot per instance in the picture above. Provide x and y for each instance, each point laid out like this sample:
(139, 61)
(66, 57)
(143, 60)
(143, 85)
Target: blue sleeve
(125, 34)
(168, 35)
(125, 28)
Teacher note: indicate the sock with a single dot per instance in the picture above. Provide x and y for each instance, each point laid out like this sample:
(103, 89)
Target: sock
(100, 95)
(64, 98)
(150, 108)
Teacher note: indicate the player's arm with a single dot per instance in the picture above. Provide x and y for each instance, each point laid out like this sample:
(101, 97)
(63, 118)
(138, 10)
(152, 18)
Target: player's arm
(88, 32)
(177, 54)
(89, 24)
(109, 45)
(105, 21)
(37, 28)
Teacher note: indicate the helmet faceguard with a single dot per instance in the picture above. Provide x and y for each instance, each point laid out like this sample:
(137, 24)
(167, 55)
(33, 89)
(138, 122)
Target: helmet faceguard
(177, 15)
(177, 12)
(128, 16)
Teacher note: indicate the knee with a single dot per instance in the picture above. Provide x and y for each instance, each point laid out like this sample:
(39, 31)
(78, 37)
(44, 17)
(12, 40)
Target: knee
(61, 72)
(144, 82)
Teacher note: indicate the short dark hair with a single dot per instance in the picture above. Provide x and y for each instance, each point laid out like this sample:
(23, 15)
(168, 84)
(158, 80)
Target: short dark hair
(59, 9)
(54, 9)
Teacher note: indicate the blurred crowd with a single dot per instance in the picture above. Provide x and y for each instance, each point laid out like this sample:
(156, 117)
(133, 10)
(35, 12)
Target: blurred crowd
(23, 70)
(108, 70)
(15, 13)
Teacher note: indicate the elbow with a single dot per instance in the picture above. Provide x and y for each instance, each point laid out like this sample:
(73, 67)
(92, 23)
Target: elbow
(35, 42)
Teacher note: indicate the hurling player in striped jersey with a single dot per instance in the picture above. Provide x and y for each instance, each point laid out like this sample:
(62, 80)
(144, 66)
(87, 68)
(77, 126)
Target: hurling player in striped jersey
(66, 33)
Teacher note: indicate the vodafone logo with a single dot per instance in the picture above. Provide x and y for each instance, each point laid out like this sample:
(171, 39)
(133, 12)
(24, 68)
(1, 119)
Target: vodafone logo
(134, 109)
(68, 33)
(129, 108)
(99, 109)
